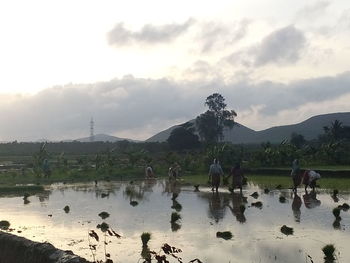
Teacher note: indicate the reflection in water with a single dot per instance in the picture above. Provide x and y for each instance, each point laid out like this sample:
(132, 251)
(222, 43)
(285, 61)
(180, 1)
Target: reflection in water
(217, 207)
(296, 207)
(310, 200)
(237, 208)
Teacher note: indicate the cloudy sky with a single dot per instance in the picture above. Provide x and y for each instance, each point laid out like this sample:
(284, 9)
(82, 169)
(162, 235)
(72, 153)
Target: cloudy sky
(138, 67)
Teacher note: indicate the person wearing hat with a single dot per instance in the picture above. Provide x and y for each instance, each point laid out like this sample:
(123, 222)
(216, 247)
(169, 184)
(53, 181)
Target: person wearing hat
(309, 179)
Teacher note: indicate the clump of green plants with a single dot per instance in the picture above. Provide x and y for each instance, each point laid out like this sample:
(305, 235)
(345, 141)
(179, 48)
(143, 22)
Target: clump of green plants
(66, 209)
(258, 204)
(134, 203)
(4, 225)
(287, 230)
(103, 226)
(282, 199)
(255, 195)
(227, 235)
(328, 251)
(335, 192)
(344, 207)
(175, 195)
(103, 215)
(266, 191)
(336, 212)
(174, 217)
(177, 206)
(145, 237)
(196, 188)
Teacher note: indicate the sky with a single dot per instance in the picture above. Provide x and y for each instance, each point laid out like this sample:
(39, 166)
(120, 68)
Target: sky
(138, 67)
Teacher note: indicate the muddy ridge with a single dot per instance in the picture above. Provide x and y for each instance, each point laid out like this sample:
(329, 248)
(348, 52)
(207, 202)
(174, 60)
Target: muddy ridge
(14, 249)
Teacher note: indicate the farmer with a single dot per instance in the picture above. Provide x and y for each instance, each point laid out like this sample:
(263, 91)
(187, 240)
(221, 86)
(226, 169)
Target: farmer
(296, 174)
(174, 171)
(237, 177)
(309, 179)
(149, 172)
(215, 172)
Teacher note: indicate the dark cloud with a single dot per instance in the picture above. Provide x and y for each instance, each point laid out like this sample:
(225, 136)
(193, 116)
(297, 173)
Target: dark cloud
(213, 34)
(149, 34)
(283, 46)
(146, 106)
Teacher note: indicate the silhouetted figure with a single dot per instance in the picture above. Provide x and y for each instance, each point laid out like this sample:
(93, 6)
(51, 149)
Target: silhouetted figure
(215, 172)
(296, 204)
(237, 177)
(174, 171)
(149, 172)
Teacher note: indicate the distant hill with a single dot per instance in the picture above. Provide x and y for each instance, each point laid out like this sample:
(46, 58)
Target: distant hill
(104, 138)
(309, 128)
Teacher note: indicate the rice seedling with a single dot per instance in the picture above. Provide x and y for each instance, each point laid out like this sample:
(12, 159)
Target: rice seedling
(227, 235)
(282, 199)
(336, 223)
(175, 195)
(134, 203)
(266, 191)
(287, 230)
(104, 227)
(336, 212)
(177, 206)
(255, 195)
(174, 217)
(196, 188)
(145, 237)
(344, 207)
(103, 215)
(257, 204)
(328, 251)
(66, 209)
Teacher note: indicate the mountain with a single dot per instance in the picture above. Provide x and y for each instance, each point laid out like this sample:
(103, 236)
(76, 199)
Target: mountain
(309, 128)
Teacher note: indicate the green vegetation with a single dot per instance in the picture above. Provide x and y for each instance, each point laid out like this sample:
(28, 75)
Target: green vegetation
(174, 217)
(227, 235)
(103, 215)
(145, 237)
(66, 209)
(287, 230)
(328, 251)
(336, 212)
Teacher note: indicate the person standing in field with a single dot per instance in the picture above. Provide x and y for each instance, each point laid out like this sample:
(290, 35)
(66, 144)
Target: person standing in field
(237, 177)
(215, 172)
(296, 174)
(309, 179)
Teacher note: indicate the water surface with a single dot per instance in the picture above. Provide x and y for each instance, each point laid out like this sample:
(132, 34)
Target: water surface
(256, 233)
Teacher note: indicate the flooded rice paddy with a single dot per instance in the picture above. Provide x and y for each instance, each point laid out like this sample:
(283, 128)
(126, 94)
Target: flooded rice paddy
(147, 206)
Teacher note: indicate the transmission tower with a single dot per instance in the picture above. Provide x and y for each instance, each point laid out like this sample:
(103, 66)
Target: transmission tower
(92, 137)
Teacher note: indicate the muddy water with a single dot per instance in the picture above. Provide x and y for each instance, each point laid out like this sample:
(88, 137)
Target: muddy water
(256, 234)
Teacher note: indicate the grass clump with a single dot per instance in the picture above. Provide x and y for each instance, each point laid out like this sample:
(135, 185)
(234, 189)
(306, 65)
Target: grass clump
(4, 225)
(258, 204)
(66, 209)
(145, 237)
(225, 235)
(336, 212)
(103, 215)
(344, 207)
(328, 251)
(282, 199)
(287, 230)
(104, 227)
(134, 203)
(174, 217)
(255, 195)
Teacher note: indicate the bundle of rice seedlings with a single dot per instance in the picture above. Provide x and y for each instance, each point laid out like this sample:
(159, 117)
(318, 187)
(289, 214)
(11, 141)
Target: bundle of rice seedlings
(287, 230)
(225, 235)
(328, 251)
(145, 237)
